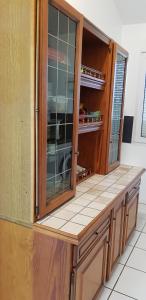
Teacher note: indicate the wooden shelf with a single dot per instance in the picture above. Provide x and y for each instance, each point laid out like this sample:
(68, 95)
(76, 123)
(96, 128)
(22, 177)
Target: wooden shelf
(81, 178)
(91, 82)
(90, 127)
(92, 78)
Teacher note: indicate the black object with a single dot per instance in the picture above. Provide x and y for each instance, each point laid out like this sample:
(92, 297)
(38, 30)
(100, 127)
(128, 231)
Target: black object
(127, 129)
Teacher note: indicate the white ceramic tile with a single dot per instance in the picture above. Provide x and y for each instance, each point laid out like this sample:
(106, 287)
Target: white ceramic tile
(137, 259)
(115, 275)
(132, 283)
(140, 223)
(108, 195)
(98, 206)
(64, 214)
(74, 207)
(72, 228)
(144, 229)
(134, 237)
(141, 243)
(88, 196)
(81, 219)
(54, 222)
(82, 201)
(82, 188)
(90, 212)
(102, 200)
(106, 183)
(113, 190)
(125, 255)
(118, 296)
(104, 294)
(94, 192)
(100, 187)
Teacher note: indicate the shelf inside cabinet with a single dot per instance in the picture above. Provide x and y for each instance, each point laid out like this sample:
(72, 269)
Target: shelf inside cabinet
(92, 78)
(83, 175)
(90, 126)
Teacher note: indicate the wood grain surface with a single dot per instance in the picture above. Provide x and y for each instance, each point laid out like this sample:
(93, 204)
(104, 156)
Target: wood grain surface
(17, 92)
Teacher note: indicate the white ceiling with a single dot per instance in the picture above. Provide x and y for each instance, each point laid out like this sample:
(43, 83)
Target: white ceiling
(131, 11)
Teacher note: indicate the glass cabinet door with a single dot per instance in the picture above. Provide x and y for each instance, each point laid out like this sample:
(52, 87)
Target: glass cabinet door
(117, 109)
(61, 61)
(58, 149)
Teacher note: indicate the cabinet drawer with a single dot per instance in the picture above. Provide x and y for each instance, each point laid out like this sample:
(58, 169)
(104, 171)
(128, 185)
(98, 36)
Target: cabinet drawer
(87, 244)
(134, 189)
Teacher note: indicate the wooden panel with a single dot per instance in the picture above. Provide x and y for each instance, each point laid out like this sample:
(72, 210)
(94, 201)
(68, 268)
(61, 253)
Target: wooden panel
(16, 245)
(131, 216)
(51, 268)
(91, 273)
(17, 31)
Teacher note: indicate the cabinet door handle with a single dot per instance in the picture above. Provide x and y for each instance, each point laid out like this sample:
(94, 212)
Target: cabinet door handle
(114, 219)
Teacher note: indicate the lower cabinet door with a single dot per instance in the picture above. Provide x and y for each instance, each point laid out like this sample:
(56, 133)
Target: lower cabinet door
(90, 275)
(131, 216)
(115, 249)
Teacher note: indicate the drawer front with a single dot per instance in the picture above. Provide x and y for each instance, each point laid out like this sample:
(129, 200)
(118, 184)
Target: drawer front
(83, 249)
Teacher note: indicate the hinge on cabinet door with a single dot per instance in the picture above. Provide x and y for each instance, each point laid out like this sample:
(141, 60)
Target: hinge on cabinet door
(37, 211)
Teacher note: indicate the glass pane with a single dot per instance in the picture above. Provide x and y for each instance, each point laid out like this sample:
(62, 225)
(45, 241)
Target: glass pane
(61, 61)
(72, 33)
(52, 51)
(62, 55)
(62, 83)
(53, 21)
(69, 111)
(52, 81)
(117, 107)
(63, 27)
(70, 86)
(52, 106)
(71, 59)
(60, 136)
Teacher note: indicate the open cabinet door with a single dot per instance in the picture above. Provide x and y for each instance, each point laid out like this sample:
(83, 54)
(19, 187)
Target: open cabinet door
(120, 57)
(60, 35)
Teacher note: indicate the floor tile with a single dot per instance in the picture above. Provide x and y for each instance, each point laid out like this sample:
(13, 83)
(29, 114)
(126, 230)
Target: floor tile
(104, 294)
(132, 283)
(117, 296)
(140, 223)
(81, 219)
(134, 237)
(72, 228)
(137, 260)
(125, 255)
(90, 212)
(144, 229)
(116, 273)
(141, 243)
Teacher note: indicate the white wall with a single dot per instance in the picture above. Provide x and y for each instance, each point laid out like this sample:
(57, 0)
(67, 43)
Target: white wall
(134, 40)
(103, 13)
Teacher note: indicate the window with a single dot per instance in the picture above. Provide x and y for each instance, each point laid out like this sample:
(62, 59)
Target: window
(143, 124)
(140, 117)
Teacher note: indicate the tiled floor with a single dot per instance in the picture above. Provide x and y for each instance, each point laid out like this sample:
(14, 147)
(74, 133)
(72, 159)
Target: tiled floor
(128, 280)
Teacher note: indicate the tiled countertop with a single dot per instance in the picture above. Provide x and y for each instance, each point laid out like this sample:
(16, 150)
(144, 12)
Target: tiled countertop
(92, 196)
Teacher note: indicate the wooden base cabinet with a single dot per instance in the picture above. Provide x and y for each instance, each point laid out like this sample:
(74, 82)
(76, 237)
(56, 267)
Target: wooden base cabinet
(90, 274)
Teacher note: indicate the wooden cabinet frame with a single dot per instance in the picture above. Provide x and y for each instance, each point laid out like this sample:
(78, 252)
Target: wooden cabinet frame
(42, 103)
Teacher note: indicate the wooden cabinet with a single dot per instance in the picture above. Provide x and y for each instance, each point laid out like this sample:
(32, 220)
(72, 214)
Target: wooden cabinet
(117, 230)
(131, 211)
(60, 30)
(116, 106)
(90, 273)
